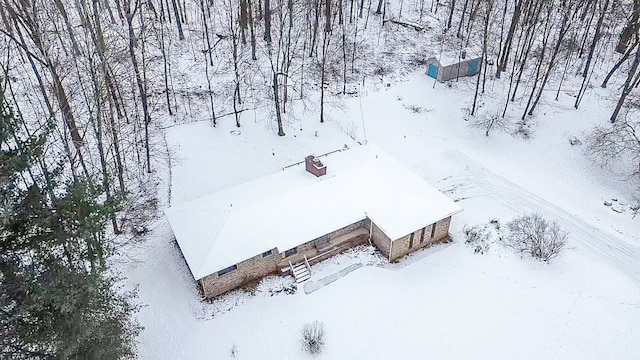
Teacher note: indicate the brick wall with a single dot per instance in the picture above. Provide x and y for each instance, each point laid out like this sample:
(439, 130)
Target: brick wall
(258, 266)
(347, 229)
(381, 240)
(311, 245)
(399, 248)
(406, 244)
(442, 229)
(248, 270)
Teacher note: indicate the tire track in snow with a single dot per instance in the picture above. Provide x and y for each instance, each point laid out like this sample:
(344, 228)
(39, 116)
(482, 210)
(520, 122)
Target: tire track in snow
(478, 181)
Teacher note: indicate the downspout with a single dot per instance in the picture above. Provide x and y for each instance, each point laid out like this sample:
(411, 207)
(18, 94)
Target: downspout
(390, 247)
(370, 232)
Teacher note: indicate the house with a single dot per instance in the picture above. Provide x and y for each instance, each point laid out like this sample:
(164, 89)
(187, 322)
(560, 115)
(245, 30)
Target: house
(449, 65)
(284, 222)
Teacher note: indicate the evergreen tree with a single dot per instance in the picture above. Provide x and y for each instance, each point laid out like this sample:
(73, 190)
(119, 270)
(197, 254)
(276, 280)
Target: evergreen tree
(57, 300)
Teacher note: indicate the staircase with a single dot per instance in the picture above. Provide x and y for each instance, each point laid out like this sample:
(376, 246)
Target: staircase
(300, 271)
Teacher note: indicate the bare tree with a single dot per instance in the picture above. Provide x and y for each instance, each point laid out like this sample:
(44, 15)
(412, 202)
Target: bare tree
(130, 11)
(488, 9)
(628, 86)
(621, 61)
(275, 83)
(618, 144)
(540, 238)
(176, 12)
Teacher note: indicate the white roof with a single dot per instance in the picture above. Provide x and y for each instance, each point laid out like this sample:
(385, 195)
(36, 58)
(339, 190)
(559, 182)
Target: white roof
(292, 207)
(452, 57)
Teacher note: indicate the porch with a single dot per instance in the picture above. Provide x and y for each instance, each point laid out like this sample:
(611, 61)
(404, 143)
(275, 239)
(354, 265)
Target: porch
(319, 250)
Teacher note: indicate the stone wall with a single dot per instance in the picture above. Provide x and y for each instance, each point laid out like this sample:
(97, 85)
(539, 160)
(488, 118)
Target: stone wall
(248, 270)
(381, 240)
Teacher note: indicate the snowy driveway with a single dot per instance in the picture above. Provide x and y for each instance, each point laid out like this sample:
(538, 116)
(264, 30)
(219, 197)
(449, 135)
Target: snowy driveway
(477, 181)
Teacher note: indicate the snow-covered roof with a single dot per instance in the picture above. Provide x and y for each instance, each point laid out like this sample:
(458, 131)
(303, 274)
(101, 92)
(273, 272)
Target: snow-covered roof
(292, 207)
(451, 57)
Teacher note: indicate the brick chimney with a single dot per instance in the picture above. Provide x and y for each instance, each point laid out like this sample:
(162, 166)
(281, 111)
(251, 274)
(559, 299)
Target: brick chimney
(315, 166)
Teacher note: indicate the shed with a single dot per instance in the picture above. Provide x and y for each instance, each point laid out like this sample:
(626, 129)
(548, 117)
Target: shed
(451, 65)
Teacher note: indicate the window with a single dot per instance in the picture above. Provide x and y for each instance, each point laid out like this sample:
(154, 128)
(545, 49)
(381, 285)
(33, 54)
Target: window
(267, 253)
(411, 241)
(290, 252)
(227, 270)
(433, 230)
(422, 235)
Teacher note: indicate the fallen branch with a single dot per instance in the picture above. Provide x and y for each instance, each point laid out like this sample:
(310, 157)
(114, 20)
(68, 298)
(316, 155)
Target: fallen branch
(416, 27)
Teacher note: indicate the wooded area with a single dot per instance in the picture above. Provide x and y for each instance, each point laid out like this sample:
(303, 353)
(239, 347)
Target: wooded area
(89, 85)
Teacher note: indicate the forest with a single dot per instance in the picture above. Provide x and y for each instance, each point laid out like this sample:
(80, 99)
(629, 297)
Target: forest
(89, 86)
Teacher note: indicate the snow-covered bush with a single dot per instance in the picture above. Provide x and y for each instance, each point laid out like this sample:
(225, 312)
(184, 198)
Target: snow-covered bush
(481, 236)
(537, 236)
(477, 237)
(487, 121)
(313, 337)
(523, 129)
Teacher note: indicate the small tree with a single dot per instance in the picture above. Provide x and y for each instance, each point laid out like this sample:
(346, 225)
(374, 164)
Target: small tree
(313, 337)
(618, 144)
(537, 236)
(489, 121)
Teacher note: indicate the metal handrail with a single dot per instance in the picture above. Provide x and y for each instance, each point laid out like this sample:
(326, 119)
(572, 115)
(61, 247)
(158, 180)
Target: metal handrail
(291, 268)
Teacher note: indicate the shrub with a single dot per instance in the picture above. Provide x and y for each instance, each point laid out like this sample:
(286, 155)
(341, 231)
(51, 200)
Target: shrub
(537, 236)
(481, 236)
(478, 237)
(313, 337)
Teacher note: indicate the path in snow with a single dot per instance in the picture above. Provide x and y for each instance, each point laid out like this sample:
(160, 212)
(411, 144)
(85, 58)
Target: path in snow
(311, 286)
(477, 181)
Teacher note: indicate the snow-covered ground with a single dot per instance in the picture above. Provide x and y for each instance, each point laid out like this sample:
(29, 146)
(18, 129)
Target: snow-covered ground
(445, 301)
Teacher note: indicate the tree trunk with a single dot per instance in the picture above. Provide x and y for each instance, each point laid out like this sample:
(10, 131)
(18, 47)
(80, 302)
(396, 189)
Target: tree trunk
(141, 87)
(615, 67)
(596, 38)
(453, 6)
(464, 10)
(205, 30)
(564, 28)
(267, 21)
(379, 8)
(489, 6)
(243, 21)
(176, 11)
(630, 29)
(627, 87)
(502, 63)
(252, 30)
